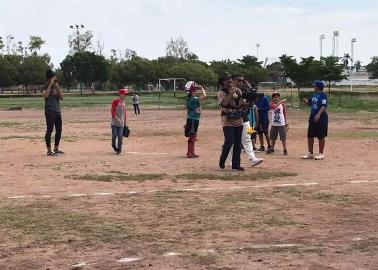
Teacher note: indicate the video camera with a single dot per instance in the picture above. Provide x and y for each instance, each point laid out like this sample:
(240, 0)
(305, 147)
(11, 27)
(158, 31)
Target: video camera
(251, 94)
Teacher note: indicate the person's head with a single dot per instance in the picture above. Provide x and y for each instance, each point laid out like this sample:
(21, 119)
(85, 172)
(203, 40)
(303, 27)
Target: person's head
(50, 75)
(226, 80)
(238, 80)
(276, 97)
(318, 86)
(122, 93)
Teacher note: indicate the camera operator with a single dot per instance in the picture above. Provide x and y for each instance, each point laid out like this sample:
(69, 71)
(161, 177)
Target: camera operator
(249, 94)
(231, 102)
(53, 94)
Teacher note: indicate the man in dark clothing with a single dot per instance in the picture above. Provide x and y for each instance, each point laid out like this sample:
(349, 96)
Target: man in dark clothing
(52, 94)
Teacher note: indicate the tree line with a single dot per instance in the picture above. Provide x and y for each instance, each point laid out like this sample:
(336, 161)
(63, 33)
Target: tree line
(85, 64)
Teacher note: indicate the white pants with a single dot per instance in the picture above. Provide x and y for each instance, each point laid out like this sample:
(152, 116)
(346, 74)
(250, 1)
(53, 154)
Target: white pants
(246, 142)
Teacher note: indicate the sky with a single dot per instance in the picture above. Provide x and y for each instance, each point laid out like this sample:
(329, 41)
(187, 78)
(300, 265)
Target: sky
(214, 29)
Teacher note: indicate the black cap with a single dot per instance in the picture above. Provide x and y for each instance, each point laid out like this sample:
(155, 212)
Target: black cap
(50, 74)
(224, 76)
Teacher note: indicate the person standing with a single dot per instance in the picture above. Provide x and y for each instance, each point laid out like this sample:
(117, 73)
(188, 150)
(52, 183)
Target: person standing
(231, 102)
(53, 94)
(193, 115)
(318, 121)
(244, 85)
(118, 112)
(263, 106)
(279, 122)
(136, 101)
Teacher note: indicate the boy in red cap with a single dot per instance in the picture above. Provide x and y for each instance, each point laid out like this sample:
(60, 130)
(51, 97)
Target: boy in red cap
(193, 115)
(118, 112)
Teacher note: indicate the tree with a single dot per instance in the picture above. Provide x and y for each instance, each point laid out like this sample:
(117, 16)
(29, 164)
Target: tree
(249, 61)
(80, 42)
(358, 65)
(1, 44)
(331, 70)
(178, 48)
(35, 44)
(194, 72)
(9, 70)
(346, 59)
(33, 69)
(85, 67)
(274, 71)
(372, 68)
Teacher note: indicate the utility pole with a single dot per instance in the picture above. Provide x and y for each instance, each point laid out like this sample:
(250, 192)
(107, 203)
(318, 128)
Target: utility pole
(321, 37)
(257, 50)
(77, 27)
(335, 43)
(352, 41)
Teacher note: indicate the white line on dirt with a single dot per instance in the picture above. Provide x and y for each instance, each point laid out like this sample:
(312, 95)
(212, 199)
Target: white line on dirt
(181, 189)
(168, 254)
(131, 259)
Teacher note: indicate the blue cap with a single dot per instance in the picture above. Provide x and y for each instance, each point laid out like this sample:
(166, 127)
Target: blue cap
(318, 84)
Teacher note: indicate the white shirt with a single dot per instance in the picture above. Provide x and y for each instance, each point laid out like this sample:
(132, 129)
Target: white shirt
(278, 117)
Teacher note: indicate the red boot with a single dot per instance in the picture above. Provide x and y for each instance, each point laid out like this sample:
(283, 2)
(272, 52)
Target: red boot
(191, 142)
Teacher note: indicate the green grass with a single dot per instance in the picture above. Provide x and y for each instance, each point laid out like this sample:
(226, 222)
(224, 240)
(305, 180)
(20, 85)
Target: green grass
(47, 223)
(365, 245)
(341, 103)
(118, 176)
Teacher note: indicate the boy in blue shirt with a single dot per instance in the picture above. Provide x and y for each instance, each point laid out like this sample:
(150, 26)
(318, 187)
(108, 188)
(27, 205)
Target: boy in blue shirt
(318, 121)
(263, 105)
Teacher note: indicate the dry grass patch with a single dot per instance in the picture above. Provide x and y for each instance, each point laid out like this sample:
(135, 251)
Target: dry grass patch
(235, 177)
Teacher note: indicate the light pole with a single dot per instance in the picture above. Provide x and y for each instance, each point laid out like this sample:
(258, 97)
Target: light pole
(257, 50)
(335, 43)
(352, 41)
(321, 37)
(77, 27)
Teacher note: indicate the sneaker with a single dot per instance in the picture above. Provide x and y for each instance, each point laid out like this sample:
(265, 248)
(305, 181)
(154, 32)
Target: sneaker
(52, 154)
(192, 156)
(59, 152)
(119, 152)
(255, 149)
(115, 149)
(256, 161)
(319, 157)
(221, 165)
(261, 149)
(270, 151)
(238, 169)
(308, 156)
(285, 153)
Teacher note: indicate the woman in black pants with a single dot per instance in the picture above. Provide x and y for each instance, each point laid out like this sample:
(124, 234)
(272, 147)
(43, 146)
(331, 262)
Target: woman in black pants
(53, 94)
(231, 102)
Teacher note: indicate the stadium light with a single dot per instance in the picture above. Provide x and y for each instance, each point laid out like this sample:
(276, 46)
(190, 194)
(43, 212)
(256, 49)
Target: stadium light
(321, 37)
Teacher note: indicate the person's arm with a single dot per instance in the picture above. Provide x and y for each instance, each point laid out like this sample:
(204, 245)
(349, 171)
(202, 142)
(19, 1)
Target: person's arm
(46, 93)
(274, 105)
(113, 109)
(203, 94)
(224, 100)
(59, 91)
(256, 115)
(307, 101)
(285, 114)
(317, 116)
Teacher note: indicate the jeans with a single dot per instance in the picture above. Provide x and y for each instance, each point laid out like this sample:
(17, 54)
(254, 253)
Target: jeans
(232, 137)
(136, 108)
(247, 143)
(117, 132)
(53, 119)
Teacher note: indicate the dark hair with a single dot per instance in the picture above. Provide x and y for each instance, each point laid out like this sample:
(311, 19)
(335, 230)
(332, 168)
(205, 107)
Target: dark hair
(223, 76)
(50, 74)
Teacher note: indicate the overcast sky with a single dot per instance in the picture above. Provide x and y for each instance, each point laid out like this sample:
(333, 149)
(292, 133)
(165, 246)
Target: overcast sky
(214, 29)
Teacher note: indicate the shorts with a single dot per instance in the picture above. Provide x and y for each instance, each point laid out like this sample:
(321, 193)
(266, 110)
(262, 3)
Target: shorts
(263, 127)
(191, 127)
(275, 130)
(318, 130)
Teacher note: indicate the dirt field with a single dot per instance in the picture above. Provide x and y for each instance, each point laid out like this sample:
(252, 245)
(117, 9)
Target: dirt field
(151, 208)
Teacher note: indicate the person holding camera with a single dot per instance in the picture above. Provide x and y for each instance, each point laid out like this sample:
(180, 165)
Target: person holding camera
(53, 94)
(231, 102)
(118, 112)
(193, 115)
(245, 86)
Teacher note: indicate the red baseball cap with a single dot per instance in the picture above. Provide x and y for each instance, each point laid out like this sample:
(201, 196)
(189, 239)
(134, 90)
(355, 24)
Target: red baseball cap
(123, 91)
